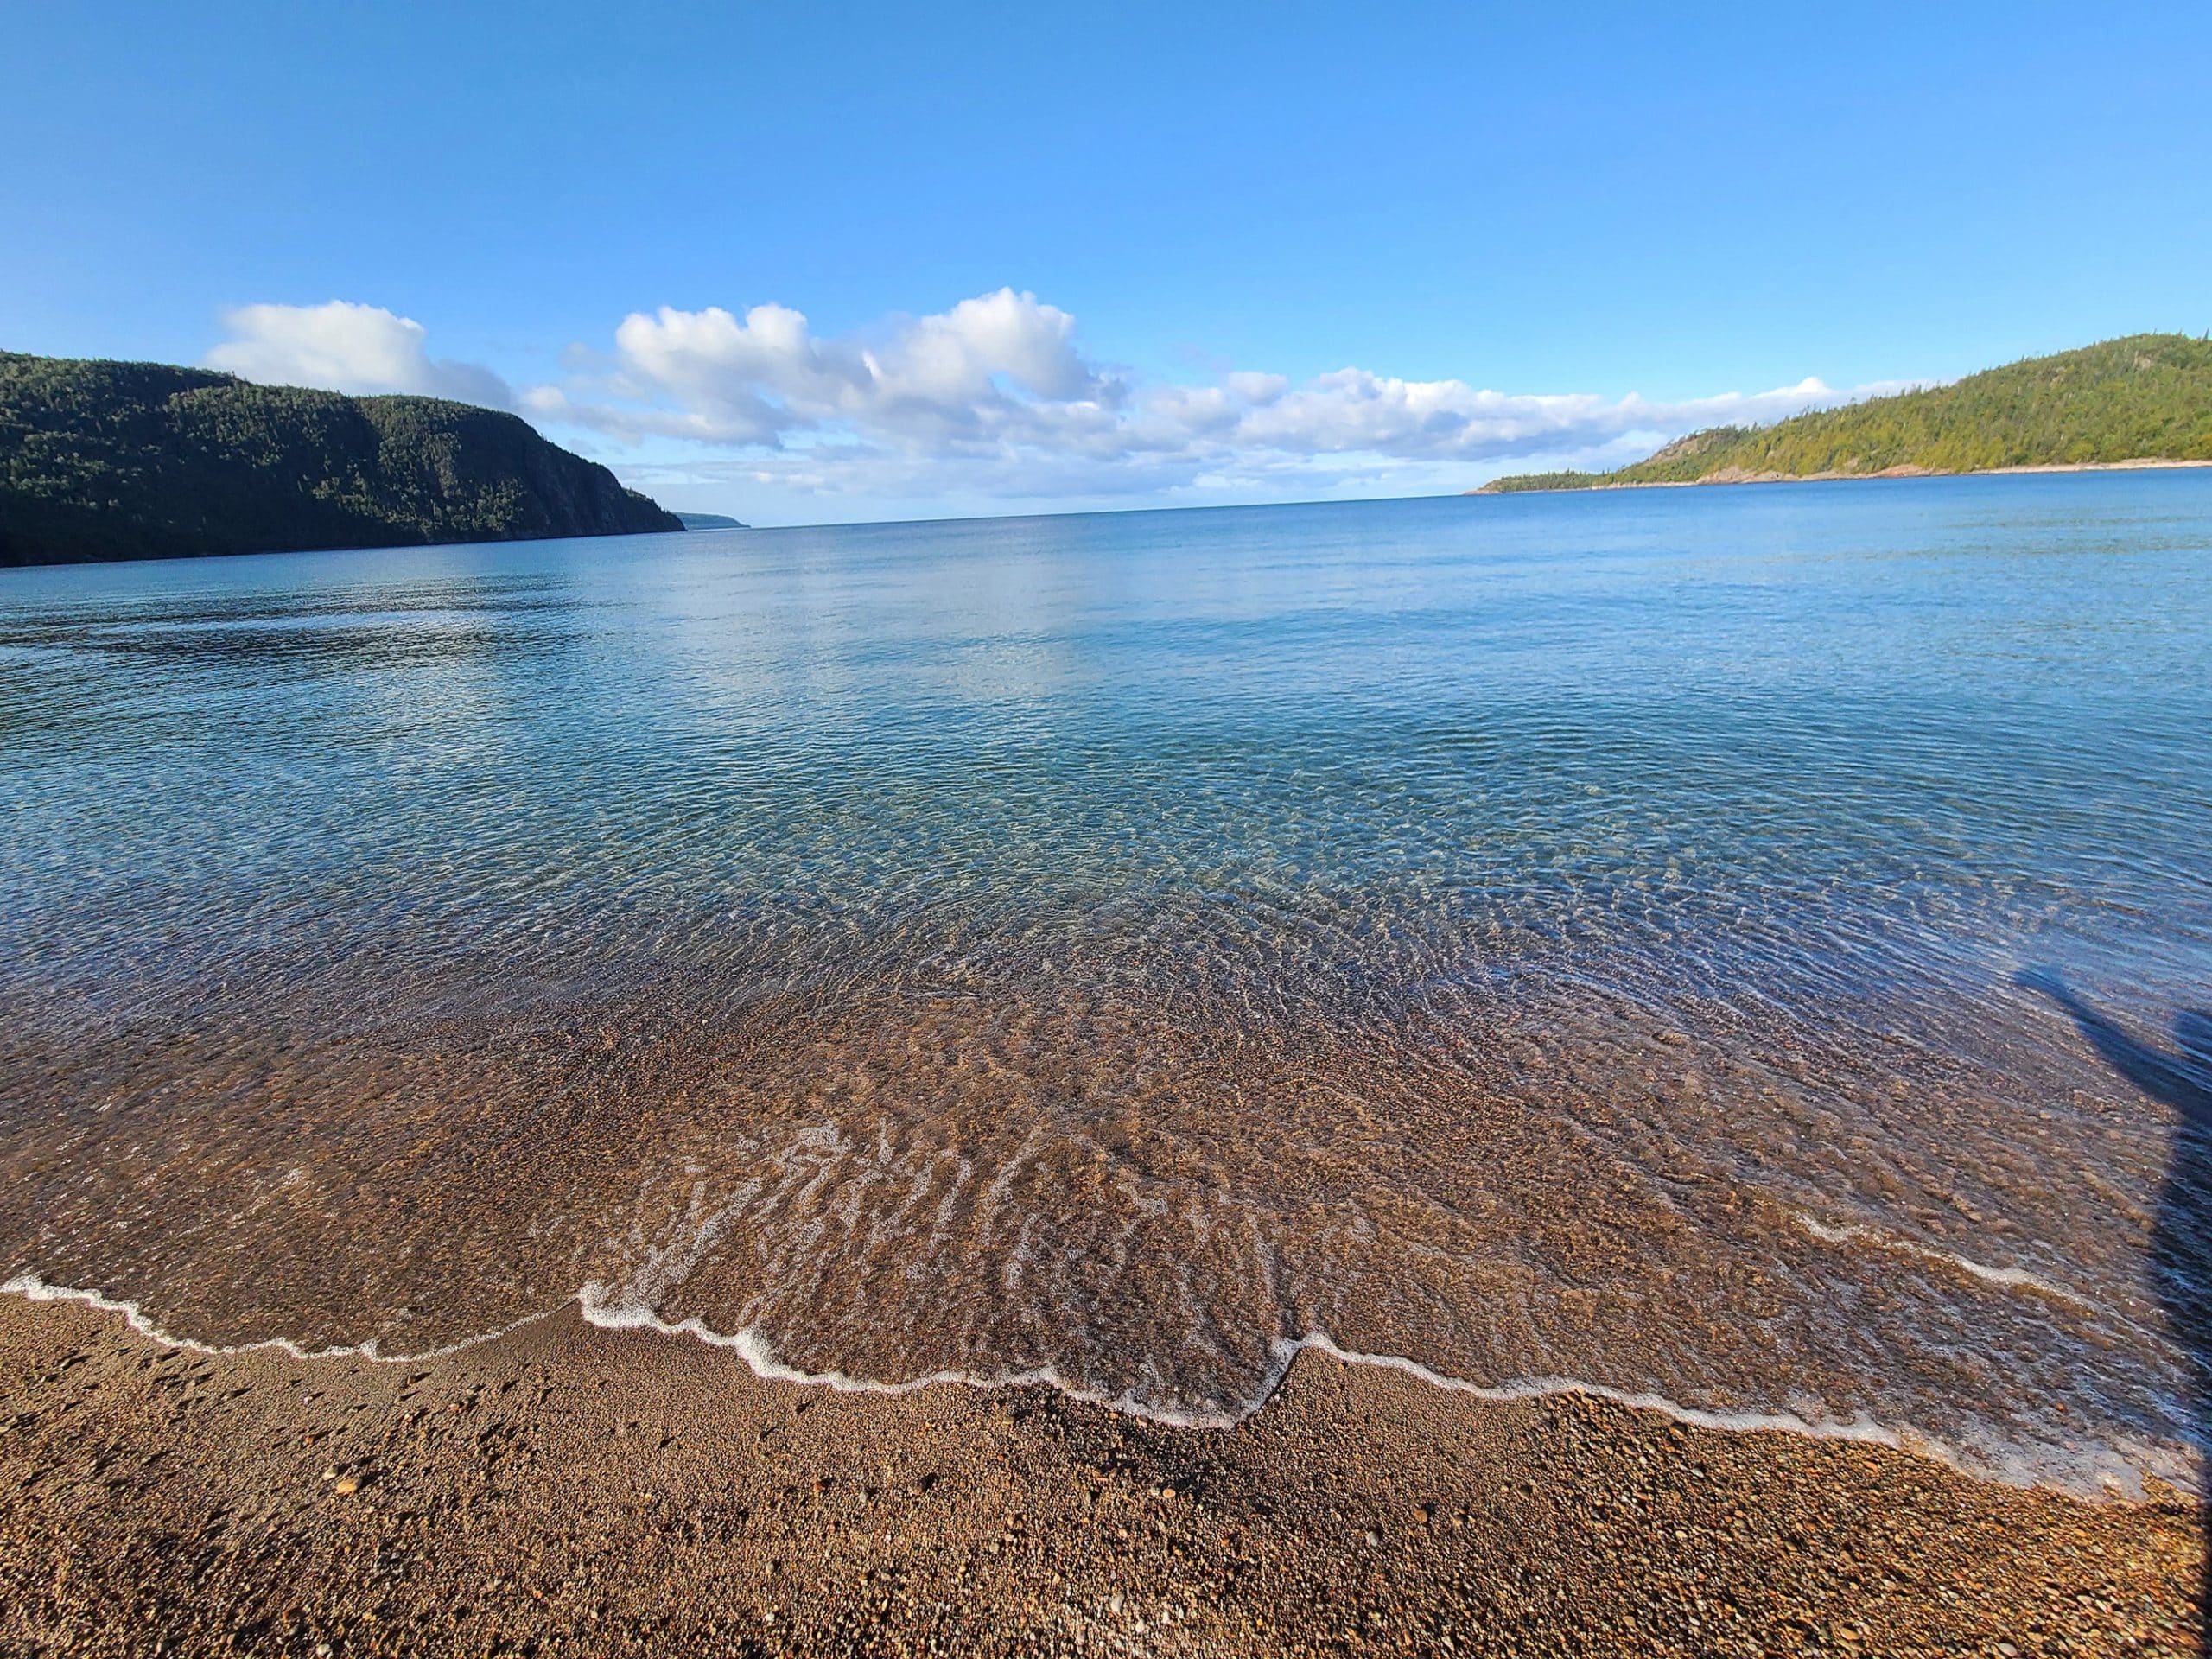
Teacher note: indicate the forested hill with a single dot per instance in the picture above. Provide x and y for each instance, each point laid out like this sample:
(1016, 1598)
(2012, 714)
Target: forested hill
(2147, 398)
(133, 461)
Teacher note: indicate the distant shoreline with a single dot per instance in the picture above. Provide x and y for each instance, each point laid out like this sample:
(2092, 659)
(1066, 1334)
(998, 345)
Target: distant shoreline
(2146, 463)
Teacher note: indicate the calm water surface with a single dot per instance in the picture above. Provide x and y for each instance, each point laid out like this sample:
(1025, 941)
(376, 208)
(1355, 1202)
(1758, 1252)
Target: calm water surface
(1737, 946)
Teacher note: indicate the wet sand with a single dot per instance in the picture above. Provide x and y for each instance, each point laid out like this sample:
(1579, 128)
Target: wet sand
(568, 1489)
(1837, 1212)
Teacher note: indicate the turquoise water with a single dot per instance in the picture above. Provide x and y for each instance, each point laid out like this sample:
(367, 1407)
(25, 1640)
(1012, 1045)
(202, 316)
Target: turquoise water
(1546, 938)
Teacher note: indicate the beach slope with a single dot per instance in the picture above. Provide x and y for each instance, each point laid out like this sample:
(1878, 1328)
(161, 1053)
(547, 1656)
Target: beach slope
(568, 1490)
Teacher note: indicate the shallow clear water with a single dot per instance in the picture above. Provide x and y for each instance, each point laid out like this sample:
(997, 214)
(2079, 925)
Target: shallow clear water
(1544, 938)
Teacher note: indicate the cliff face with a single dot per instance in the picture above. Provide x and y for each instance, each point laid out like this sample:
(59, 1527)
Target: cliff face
(125, 461)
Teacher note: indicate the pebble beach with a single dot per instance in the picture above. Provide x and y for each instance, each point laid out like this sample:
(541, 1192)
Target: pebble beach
(564, 1490)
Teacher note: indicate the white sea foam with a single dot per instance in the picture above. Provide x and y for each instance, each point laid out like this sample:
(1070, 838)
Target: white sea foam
(598, 1309)
(2013, 1278)
(32, 1288)
(2101, 1472)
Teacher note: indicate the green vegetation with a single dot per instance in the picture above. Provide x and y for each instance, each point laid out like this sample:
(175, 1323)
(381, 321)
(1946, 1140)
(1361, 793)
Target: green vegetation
(1520, 481)
(129, 461)
(2148, 397)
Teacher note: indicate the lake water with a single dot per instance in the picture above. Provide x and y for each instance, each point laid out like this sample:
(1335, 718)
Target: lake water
(1548, 939)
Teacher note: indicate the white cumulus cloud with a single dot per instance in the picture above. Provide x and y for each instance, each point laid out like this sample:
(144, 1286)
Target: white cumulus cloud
(987, 371)
(346, 348)
(991, 401)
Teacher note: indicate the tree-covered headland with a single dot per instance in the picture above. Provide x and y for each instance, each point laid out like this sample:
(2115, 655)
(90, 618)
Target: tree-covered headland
(2147, 398)
(131, 460)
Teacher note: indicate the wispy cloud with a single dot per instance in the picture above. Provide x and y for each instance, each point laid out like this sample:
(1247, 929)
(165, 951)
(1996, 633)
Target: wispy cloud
(992, 400)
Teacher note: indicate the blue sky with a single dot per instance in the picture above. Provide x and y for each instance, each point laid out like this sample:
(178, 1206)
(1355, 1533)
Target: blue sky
(1088, 256)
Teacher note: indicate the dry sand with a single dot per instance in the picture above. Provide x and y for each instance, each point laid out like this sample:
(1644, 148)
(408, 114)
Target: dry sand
(567, 1489)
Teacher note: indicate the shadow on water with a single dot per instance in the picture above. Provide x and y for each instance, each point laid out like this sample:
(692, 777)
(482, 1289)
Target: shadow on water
(2182, 1247)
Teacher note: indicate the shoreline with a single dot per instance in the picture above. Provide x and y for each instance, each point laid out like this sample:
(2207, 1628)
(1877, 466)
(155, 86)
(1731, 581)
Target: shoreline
(1731, 476)
(573, 1489)
(2121, 1482)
